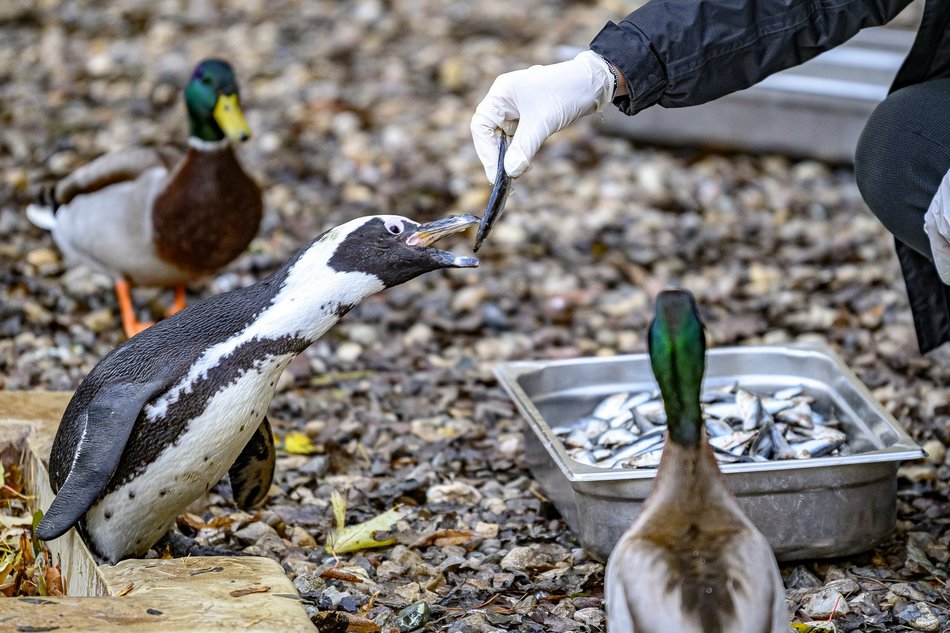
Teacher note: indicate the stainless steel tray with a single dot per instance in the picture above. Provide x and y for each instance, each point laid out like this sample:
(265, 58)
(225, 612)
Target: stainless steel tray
(822, 507)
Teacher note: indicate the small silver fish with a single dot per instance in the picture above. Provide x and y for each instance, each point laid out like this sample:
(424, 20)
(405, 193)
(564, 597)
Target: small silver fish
(610, 406)
(788, 393)
(781, 449)
(646, 460)
(717, 428)
(753, 413)
(584, 457)
(578, 439)
(621, 420)
(593, 427)
(616, 437)
(637, 399)
(723, 410)
(734, 442)
(824, 440)
(499, 196)
(646, 443)
(641, 423)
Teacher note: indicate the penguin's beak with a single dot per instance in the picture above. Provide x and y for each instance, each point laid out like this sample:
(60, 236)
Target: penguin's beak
(431, 232)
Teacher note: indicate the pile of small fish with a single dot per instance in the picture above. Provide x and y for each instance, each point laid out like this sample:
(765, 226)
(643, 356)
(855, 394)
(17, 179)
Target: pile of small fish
(627, 430)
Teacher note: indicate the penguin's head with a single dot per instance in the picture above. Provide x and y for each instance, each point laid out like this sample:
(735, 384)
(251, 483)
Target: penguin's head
(396, 249)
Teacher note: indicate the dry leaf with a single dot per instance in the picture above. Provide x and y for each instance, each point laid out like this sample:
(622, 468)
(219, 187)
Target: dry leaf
(332, 574)
(362, 535)
(15, 522)
(193, 521)
(54, 581)
(443, 538)
(357, 624)
(237, 593)
(338, 502)
(125, 590)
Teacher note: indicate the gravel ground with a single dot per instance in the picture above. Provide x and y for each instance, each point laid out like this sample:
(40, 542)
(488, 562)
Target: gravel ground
(362, 107)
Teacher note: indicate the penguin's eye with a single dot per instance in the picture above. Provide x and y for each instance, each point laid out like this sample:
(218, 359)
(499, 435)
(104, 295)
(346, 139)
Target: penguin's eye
(394, 226)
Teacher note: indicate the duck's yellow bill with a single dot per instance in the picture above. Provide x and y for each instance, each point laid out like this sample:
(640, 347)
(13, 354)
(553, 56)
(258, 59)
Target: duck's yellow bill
(227, 113)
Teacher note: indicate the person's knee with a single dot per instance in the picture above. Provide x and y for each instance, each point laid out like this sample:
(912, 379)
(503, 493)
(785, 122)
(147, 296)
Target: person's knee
(879, 153)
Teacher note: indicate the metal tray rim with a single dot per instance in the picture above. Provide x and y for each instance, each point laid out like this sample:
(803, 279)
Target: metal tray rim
(508, 373)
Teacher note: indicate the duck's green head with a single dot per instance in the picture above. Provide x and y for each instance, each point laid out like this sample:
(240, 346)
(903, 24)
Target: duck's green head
(677, 345)
(214, 109)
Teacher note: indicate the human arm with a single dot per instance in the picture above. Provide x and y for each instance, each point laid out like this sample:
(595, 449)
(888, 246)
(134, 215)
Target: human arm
(672, 52)
(687, 52)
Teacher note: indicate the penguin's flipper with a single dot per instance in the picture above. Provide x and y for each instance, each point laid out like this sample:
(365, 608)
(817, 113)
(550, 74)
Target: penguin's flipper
(253, 470)
(108, 422)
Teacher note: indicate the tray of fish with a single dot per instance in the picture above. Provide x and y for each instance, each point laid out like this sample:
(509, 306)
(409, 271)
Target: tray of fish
(809, 452)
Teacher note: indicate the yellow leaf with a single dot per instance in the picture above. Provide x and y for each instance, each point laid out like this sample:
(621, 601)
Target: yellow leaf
(338, 502)
(814, 627)
(362, 535)
(298, 443)
(6, 566)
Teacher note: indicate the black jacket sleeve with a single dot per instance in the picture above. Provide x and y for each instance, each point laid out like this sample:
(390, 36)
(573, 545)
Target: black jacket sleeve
(686, 52)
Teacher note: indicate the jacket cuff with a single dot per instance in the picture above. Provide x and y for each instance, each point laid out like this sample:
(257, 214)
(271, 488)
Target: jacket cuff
(629, 50)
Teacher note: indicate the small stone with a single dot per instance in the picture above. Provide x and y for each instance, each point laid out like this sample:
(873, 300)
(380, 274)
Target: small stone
(802, 578)
(349, 352)
(469, 298)
(918, 615)
(329, 599)
(529, 558)
(936, 451)
(592, 617)
(822, 604)
(453, 492)
(844, 586)
(254, 533)
(417, 335)
(40, 257)
(302, 538)
(309, 585)
(413, 617)
(918, 472)
(486, 530)
(363, 334)
(100, 320)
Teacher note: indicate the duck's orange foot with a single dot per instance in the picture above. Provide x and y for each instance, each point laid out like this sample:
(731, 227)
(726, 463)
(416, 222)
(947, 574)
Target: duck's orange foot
(130, 323)
(179, 304)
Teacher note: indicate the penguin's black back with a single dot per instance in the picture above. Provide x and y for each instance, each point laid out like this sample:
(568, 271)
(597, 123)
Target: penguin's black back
(166, 351)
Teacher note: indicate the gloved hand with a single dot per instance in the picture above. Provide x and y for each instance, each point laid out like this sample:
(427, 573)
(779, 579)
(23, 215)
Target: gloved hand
(937, 228)
(534, 103)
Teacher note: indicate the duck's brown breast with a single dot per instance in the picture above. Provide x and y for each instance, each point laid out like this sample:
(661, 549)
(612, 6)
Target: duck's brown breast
(209, 212)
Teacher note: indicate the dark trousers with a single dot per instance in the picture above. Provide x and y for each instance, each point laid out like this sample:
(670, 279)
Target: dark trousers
(903, 154)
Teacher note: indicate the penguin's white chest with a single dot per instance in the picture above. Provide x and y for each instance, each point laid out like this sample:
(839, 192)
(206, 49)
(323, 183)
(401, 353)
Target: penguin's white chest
(130, 519)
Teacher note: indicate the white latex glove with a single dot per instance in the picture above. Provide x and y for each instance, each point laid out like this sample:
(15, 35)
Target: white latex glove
(534, 103)
(937, 228)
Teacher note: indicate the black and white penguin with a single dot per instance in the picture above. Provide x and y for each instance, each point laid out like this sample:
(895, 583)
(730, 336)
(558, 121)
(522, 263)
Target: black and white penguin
(163, 416)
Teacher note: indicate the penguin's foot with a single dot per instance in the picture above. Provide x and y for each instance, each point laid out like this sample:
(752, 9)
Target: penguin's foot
(179, 304)
(130, 322)
(181, 546)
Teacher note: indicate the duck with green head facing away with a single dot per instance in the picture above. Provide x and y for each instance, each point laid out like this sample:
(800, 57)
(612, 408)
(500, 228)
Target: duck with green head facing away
(148, 220)
(692, 562)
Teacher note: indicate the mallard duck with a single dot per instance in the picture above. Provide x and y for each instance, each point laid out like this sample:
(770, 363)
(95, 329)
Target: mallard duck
(145, 220)
(692, 562)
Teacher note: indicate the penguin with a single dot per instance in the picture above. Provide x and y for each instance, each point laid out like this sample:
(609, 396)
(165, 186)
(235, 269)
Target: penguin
(162, 417)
